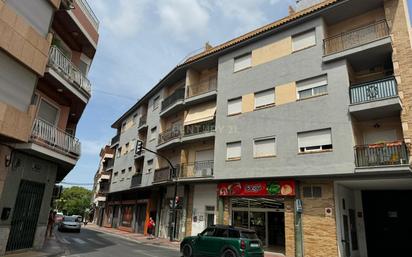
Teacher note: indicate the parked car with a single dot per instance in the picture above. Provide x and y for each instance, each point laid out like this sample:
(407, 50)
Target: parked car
(59, 217)
(69, 223)
(223, 241)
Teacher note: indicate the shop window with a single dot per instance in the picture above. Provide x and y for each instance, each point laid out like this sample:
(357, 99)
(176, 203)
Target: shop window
(312, 191)
(127, 215)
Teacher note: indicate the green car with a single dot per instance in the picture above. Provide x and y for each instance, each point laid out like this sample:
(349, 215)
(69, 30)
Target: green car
(222, 241)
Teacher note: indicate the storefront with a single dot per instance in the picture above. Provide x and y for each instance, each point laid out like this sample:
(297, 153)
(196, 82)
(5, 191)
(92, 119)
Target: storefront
(259, 205)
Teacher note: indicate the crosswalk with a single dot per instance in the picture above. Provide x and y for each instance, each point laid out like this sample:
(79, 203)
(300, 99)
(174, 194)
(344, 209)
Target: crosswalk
(68, 240)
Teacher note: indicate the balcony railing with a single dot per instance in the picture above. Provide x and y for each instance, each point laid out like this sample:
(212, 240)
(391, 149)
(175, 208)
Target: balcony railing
(104, 187)
(89, 13)
(356, 37)
(165, 174)
(115, 139)
(142, 121)
(59, 62)
(170, 134)
(200, 128)
(202, 87)
(383, 154)
(54, 138)
(136, 180)
(197, 169)
(109, 164)
(374, 90)
(178, 95)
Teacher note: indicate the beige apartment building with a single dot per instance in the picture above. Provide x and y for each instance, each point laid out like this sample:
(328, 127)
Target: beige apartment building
(46, 49)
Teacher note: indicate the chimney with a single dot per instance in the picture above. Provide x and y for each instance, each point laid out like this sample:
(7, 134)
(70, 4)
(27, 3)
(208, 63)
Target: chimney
(303, 4)
(291, 10)
(208, 46)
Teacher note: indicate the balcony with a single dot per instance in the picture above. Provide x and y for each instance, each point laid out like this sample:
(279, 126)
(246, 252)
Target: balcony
(136, 180)
(364, 38)
(54, 138)
(162, 175)
(169, 137)
(69, 72)
(104, 187)
(173, 103)
(201, 130)
(142, 122)
(375, 99)
(109, 164)
(386, 154)
(115, 140)
(84, 5)
(197, 169)
(201, 92)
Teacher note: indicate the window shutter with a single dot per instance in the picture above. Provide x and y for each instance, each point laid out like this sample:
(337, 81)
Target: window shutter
(265, 147)
(233, 150)
(242, 62)
(313, 82)
(304, 40)
(264, 98)
(315, 138)
(47, 112)
(234, 106)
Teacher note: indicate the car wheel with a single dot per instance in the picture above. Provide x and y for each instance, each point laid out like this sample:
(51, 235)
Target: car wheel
(187, 250)
(229, 253)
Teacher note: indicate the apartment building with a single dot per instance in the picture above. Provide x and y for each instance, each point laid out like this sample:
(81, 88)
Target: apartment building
(46, 48)
(102, 184)
(298, 130)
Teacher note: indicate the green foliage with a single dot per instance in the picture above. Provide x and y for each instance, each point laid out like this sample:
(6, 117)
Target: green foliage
(74, 200)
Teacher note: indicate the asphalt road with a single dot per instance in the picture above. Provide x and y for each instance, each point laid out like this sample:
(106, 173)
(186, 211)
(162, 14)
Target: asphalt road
(96, 244)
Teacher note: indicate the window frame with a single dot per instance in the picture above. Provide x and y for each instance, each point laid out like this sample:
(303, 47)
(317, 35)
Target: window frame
(234, 113)
(156, 102)
(263, 139)
(315, 148)
(264, 105)
(236, 157)
(240, 57)
(311, 88)
(303, 33)
(47, 101)
(153, 135)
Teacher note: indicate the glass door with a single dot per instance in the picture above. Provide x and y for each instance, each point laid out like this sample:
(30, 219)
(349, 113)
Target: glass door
(257, 221)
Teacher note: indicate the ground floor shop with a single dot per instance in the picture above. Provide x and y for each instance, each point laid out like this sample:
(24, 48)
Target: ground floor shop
(374, 217)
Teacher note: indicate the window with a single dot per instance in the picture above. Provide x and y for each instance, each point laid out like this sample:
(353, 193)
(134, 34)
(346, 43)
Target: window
(221, 232)
(264, 98)
(156, 102)
(150, 162)
(312, 191)
(132, 145)
(234, 106)
(130, 169)
(312, 87)
(242, 62)
(116, 173)
(123, 171)
(315, 141)
(119, 152)
(153, 133)
(48, 112)
(234, 233)
(208, 232)
(265, 147)
(233, 150)
(124, 126)
(126, 148)
(303, 40)
(134, 119)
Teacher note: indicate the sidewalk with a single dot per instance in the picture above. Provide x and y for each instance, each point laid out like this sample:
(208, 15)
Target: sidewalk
(140, 238)
(51, 248)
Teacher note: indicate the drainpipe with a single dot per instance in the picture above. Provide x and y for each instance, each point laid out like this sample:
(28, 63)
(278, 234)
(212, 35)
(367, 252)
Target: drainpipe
(298, 223)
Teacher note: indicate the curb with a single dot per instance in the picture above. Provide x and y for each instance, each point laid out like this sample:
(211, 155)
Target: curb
(133, 240)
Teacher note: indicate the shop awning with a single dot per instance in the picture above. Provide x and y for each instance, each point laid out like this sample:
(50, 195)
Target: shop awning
(200, 113)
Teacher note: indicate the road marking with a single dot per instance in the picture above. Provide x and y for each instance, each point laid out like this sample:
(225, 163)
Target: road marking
(78, 240)
(64, 241)
(95, 241)
(144, 253)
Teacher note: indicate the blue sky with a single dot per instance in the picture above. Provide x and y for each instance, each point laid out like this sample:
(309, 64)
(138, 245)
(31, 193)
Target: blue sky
(141, 41)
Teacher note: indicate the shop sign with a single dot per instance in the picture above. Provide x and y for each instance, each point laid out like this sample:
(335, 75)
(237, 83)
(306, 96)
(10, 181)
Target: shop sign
(257, 188)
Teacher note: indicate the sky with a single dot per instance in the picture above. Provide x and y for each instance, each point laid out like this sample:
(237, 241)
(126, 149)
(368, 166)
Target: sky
(140, 42)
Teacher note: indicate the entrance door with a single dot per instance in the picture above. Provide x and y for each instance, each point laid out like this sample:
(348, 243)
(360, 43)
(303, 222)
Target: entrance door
(345, 240)
(276, 231)
(388, 222)
(140, 218)
(25, 215)
(115, 216)
(257, 221)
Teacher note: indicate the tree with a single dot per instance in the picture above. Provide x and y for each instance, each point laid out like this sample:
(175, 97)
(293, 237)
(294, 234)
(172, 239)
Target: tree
(74, 200)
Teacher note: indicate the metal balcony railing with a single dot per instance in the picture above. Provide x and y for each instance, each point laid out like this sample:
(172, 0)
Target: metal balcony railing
(170, 134)
(356, 37)
(136, 180)
(200, 128)
(383, 154)
(197, 169)
(115, 139)
(178, 95)
(104, 187)
(373, 90)
(202, 87)
(109, 164)
(54, 138)
(165, 174)
(89, 13)
(61, 64)
(142, 120)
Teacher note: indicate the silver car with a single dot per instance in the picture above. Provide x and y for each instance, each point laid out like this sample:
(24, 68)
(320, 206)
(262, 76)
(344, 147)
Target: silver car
(69, 223)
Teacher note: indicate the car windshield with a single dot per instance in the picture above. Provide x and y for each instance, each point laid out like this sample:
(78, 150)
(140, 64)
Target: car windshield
(248, 235)
(70, 218)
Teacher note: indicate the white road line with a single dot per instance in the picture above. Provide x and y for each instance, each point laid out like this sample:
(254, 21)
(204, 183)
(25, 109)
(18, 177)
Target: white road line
(78, 240)
(144, 253)
(63, 240)
(95, 241)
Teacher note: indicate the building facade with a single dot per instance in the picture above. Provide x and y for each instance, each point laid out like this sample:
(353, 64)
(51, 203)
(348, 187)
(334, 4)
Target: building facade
(46, 50)
(298, 130)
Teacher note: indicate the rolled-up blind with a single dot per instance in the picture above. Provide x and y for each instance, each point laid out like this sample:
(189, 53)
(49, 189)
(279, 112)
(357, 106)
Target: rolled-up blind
(233, 150)
(315, 138)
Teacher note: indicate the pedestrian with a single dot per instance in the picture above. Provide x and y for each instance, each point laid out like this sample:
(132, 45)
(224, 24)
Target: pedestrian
(150, 228)
(50, 223)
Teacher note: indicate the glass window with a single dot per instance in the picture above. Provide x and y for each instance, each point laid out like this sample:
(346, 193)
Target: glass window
(234, 106)
(208, 232)
(264, 98)
(242, 62)
(156, 102)
(304, 40)
(234, 233)
(127, 215)
(317, 140)
(48, 112)
(233, 150)
(248, 235)
(153, 133)
(312, 87)
(119, 152)
(220, 232)
(264, 147)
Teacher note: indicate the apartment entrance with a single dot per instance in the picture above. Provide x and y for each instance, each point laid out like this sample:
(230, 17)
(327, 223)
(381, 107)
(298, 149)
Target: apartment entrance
(140, 218)
(388, 222)
(265, 216)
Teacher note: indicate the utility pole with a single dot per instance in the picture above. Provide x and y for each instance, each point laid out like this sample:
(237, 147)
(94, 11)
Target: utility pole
(173, 176)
